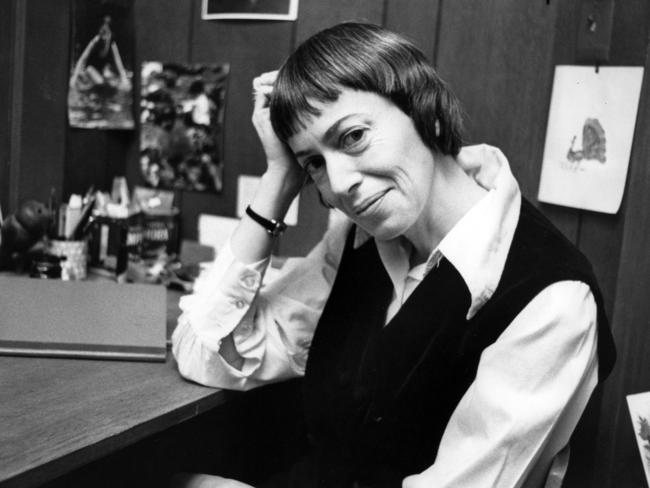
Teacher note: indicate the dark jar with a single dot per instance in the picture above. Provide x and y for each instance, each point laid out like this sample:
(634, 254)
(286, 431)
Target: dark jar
(46, 266)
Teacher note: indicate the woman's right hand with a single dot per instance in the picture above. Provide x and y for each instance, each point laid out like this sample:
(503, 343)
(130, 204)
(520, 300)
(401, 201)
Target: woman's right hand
(278, 186)
(279, 157)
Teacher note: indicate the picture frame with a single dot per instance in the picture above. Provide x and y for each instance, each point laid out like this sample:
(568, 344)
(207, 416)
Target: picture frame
(249, 10)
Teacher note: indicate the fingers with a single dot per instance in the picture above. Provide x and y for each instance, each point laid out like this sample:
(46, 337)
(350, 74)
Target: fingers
(473, 156)
(483, 162)
(262, 97)
(267, 78)
(262, 89)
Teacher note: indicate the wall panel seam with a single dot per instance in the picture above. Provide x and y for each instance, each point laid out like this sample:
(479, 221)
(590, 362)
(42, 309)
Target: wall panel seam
(16, 100)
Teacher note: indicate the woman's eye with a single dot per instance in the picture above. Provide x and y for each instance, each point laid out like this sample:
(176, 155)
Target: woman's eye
(352, 138)
(314, 164)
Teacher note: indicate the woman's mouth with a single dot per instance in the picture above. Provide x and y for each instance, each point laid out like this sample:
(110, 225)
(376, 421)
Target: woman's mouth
(363, 206)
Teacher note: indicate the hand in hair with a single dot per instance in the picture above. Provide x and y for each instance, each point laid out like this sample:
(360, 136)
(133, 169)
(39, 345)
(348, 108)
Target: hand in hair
(279, 156)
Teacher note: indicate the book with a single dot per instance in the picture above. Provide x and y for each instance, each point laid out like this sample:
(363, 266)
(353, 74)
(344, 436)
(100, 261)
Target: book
(82, 319)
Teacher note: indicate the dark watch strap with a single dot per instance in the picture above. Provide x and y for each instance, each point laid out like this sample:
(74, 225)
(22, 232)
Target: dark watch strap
(273, 227)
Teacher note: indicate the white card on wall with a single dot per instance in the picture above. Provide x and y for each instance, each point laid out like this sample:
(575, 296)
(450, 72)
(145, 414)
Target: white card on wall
(589, 136)
(246, 188)
(639, 407)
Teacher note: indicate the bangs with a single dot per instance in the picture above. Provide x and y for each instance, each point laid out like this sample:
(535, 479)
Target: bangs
(294, 94)
(320, 68)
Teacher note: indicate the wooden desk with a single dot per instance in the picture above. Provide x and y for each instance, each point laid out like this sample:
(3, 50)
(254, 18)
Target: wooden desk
(59, 414)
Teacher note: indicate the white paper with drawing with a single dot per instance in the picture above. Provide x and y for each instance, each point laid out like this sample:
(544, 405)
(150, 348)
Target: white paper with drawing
(639, 405)
(589, 136)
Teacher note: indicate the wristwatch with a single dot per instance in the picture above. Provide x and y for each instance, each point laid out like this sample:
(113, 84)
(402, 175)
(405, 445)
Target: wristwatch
(273, 227)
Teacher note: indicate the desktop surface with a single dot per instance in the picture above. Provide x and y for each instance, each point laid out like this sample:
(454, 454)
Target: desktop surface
(60, 414)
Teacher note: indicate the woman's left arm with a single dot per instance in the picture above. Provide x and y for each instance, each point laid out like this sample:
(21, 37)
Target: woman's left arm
(530, 390)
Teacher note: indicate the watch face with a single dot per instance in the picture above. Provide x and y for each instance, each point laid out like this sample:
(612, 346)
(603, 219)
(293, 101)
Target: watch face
(278, 228)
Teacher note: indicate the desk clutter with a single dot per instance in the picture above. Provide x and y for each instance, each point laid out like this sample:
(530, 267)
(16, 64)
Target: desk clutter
(127, 238)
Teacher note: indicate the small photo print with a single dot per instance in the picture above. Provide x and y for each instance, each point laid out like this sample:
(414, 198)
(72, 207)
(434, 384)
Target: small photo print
(181, 125)
(250, 9)
(639, 406)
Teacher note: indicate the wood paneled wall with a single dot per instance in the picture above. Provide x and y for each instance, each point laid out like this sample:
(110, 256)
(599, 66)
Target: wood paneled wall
(6, 60)
(499, 57)
(617, 459)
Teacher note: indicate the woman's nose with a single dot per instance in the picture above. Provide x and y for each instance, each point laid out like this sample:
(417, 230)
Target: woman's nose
(343, 174)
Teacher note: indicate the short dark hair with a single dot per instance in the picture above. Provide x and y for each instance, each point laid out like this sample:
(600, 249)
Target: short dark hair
(369, 58)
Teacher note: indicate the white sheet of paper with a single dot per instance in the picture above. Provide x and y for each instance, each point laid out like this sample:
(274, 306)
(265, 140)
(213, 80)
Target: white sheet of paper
(589, 136)
(246, 187)
(215, 230)
(639, 406)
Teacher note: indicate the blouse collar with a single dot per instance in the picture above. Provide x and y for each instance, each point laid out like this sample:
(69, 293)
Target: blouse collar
(478, 244)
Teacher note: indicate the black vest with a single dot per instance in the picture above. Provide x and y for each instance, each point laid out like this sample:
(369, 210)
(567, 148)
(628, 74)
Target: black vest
(378, 398)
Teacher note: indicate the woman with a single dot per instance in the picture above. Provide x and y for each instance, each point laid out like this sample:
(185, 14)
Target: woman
(448, 334)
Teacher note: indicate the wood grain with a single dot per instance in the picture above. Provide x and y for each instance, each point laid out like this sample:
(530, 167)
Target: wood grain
(42, 137)
(6, 60)
(316, 15)
(59, 414)
(163, 30)
(418, 22)
(617, 457)
(16, 52)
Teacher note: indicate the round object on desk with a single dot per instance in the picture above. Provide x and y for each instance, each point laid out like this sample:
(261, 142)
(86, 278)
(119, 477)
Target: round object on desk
(34, 216)
(15, 237)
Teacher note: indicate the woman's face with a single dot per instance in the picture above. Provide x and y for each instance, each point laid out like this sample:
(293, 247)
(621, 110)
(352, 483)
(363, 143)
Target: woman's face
(368, 160)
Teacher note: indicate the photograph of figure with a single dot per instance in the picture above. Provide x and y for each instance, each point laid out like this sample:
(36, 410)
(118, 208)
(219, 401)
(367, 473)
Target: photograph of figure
(100, 94)
(181, 117)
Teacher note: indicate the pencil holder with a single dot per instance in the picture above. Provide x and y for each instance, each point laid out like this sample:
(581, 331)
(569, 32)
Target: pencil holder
(75, 253)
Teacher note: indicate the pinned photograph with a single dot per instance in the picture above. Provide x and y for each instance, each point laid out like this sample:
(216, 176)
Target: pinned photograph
(181, 125)
(100, 92)
(639, 406)
(589, 136)
(250, 9)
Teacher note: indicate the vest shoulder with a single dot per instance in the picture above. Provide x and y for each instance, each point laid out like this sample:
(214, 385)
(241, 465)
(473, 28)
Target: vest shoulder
(538, 248)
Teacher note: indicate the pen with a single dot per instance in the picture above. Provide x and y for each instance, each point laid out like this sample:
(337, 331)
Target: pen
(81, 225)
(54, 215)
